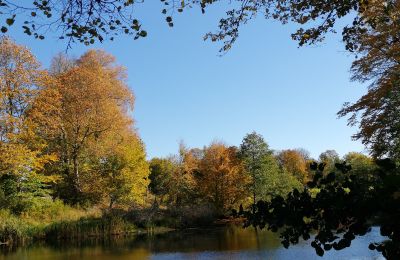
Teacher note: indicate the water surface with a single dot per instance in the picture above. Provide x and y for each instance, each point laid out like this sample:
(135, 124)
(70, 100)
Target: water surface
(217, 243)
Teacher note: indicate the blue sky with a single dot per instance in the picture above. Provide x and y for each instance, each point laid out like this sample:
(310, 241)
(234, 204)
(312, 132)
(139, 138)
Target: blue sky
(186, 91)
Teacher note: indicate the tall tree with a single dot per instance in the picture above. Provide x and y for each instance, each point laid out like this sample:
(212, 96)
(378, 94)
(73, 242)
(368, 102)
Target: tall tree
(84, 100)
(21, 150)
(254, 152)
(184, 183)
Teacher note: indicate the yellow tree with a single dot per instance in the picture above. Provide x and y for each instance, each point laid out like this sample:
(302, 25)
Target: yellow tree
(222, 179)
(88, 102)
(119, 171)
(21, 151)
(294, 163)
(20, 80)
(183, 184)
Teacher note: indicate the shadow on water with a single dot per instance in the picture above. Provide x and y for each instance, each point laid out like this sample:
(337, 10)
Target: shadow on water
(230, 242)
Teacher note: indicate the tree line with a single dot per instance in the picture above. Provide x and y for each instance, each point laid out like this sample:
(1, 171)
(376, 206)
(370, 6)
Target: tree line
(227, 179)
(66, 133)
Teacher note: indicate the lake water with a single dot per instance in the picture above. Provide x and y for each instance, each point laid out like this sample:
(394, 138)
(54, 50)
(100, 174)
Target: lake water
(218, 243)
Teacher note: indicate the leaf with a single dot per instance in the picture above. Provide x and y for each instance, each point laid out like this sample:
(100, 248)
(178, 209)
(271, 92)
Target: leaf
(10, 21)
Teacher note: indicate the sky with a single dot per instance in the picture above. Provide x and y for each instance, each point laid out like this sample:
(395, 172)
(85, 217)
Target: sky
(186, 91)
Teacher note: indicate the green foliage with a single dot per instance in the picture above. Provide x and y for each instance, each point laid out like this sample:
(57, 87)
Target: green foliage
(161, 173)
(267, 179)
(259, 163)
(277, 182)
(19, 193)
(12, 228)
(125, 174)
(329, 158)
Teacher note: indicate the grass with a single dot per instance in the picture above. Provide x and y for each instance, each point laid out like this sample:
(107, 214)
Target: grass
(48, 219)
(89, 227)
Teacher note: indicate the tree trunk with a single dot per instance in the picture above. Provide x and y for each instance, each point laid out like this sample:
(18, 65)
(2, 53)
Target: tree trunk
(76, 171)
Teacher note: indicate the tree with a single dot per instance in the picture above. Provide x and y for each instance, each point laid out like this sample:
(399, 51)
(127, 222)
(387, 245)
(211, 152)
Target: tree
(378, 64)
(293, 162)
(123, 171)
(329, 158)
(321, 16)
(83, 101)
(278, 182)
(362, 166)
(22, 158)
(254, 152)
(61, 63)
(183, 190)
(161, 174)
(222, 180)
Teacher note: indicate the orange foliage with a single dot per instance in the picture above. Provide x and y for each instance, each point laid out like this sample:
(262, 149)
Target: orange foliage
(222, 179)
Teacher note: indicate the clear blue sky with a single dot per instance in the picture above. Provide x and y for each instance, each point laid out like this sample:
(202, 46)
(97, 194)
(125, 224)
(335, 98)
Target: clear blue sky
(184, 90)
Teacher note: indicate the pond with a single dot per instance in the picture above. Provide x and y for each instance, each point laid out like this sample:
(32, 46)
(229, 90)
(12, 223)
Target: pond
(218, 243)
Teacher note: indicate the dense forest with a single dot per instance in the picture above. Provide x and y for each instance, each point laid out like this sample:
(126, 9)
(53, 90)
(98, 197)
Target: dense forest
(73, 164)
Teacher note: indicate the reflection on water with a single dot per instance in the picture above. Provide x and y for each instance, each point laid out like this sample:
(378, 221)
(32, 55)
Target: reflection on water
(218, 243)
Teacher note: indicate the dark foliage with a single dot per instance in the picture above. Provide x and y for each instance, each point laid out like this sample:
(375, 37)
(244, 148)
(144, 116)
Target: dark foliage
(337, 207)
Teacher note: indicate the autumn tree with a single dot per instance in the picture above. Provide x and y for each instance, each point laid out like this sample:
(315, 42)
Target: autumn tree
(378, 64)
(222, 180)
(61, 63)
(84, 100)
(21, 150)
(183, 187)
(121, 170)
(293, 162)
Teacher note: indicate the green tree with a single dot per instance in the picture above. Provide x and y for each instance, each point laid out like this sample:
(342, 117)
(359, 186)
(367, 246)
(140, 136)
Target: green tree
(362, 166)
(329, 158)
(257, 158)
(124, 172)
(161, 174)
